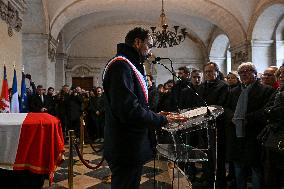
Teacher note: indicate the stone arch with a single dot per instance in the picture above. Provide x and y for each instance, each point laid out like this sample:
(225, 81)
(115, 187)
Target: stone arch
(82, 69)
(218, 52)
(190, 36)
(225, 20)
(260, 9)
(263, 34)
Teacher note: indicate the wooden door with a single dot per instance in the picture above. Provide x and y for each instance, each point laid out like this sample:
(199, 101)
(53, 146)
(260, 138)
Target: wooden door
(85, 83)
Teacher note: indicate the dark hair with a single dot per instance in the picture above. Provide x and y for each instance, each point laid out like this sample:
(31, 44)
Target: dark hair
(99, 88)
(220, 75)
(214, 64)
(28, 76)
(50, 88)
(278, 72)
(195, 71)
(137, 32)
(150, 76)
(39, 86)
(184, 68)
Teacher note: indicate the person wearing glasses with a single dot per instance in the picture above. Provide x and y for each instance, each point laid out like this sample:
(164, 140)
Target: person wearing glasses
(268, 77)
(246, 109)
(128, 118)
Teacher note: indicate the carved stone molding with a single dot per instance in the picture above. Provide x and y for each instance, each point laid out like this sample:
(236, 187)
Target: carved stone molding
(241, 53)
(10, 15)
(52, 45)
(241, 56)
(81, 72)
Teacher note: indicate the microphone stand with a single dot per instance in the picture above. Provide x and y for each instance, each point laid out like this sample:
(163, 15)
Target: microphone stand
(208, 113)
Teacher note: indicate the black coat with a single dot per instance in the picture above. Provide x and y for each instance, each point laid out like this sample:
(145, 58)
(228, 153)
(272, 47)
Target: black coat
(75, 107)
(177, 93)
(35, 104)
(96, 104)
(127, 115)
(189, 98)
(214, 93)
(246, 150)
(153, 98)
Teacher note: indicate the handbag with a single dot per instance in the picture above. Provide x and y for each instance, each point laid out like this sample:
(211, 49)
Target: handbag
(273, 139)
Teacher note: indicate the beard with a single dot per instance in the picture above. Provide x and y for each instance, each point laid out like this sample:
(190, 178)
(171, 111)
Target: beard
(144, 57)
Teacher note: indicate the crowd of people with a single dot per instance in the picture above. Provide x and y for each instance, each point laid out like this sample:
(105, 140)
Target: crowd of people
(127, 109)
(69, 105)
(246, 96)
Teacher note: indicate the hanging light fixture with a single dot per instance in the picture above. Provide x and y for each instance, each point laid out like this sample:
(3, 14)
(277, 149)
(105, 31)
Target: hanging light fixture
(166, 38)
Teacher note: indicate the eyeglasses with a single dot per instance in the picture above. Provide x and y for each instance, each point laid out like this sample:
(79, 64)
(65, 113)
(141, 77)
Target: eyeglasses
(245, 71)
(268, 74)
(209, 71)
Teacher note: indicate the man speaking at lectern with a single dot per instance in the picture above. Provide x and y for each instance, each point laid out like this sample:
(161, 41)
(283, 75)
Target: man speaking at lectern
(128, 145)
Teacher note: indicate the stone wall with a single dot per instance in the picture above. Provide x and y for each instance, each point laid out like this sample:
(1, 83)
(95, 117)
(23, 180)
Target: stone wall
(96, 46)
(10, 54)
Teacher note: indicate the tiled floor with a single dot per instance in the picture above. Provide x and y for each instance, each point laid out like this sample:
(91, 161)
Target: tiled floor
(85, 178)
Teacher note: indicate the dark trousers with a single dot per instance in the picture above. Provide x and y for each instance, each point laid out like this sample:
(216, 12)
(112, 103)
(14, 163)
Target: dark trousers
(241, 176)
(75, 125)
(125, 176)
(21, 179)
(100, 127)
(91, 128)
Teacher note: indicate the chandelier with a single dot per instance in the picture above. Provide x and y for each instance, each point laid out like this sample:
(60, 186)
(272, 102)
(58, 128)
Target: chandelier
(166, 38)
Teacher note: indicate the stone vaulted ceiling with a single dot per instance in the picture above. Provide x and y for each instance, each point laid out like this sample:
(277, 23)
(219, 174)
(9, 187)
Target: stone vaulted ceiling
(231, 16)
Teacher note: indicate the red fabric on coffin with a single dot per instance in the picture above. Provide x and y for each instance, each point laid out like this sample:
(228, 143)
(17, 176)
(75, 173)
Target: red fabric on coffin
(41, 144)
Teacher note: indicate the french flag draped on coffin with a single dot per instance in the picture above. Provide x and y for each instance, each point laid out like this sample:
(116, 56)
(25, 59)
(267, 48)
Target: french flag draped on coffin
(30, 141)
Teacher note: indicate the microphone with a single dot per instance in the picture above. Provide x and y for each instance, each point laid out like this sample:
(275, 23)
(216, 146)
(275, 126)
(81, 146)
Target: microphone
(157, 59)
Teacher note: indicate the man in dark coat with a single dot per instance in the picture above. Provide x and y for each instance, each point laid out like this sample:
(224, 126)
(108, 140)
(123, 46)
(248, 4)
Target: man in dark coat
(214, 91)
(246, 105)
(127, 115)
(75, 110)
(39, 101)
(179, 86)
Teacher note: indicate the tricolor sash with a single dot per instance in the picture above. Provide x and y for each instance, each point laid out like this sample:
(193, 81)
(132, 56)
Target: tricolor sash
(140, 77)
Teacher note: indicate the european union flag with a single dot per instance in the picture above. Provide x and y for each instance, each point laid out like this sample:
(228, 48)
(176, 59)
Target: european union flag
(24, 98)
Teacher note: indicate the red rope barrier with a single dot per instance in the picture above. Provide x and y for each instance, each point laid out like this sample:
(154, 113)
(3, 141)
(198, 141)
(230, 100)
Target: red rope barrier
(84, 162)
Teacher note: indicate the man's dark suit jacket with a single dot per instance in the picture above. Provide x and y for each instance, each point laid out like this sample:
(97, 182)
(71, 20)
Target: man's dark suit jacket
(36, 104)
(127, 114)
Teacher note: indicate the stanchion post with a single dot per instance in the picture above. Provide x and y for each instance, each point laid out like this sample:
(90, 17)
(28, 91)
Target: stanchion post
(82, 133)
(70, 163)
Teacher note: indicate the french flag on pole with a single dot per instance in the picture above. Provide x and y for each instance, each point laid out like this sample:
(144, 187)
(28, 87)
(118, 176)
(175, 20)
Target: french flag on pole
(15, 97)
(4, 99)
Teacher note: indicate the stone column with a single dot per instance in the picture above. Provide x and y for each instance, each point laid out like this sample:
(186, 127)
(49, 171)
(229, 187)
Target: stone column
(279, 53)
(39, 58)
(35, 57)
(61, 61)
(68, 77)
(262, 54)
